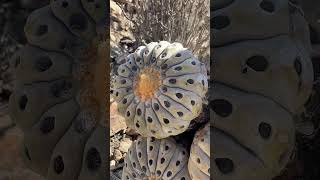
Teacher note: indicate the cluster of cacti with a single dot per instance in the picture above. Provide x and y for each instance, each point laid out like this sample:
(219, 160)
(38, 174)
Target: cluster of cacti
(263, 77)
(55, 102)
(160, 89)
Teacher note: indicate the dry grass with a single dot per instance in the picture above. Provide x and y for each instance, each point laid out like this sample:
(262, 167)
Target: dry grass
(184, 21)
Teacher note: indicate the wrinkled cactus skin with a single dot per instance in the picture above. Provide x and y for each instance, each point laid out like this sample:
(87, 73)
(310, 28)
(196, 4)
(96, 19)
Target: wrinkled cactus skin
(54, 101)
(160, 89)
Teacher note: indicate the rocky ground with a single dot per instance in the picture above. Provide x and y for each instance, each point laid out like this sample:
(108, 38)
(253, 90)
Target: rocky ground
(121, 41)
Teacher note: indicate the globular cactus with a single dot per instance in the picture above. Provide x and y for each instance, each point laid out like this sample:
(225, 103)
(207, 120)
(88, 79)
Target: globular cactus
(151, 158)
(55, 100)
(272, 61)
(160, 89)
(253, 137)
(199, 160)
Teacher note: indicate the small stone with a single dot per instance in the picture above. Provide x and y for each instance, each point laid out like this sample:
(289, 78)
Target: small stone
(117, 154)
(112, 164)
(125, 145)
(115, 9)
(124, 154)
(117, 122)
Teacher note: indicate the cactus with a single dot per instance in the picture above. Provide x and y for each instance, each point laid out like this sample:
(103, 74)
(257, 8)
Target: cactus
(55, 101)
(264, 131)
(276, 68)
(151, 158)
(199, 160)
(160, 89)
(263, 77)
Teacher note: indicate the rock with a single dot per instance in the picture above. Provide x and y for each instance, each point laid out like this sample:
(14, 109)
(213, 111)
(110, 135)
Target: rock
(10, 145)
(125, 145)
(112, 164)
(117, 155)
(115, 9)
(113, 108)
(111, 151)
(117, 122)
(120, 27)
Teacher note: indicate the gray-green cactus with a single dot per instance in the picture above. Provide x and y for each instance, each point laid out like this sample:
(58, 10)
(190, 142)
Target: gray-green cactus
(160, 89)
(151, 158)
(199, 160)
